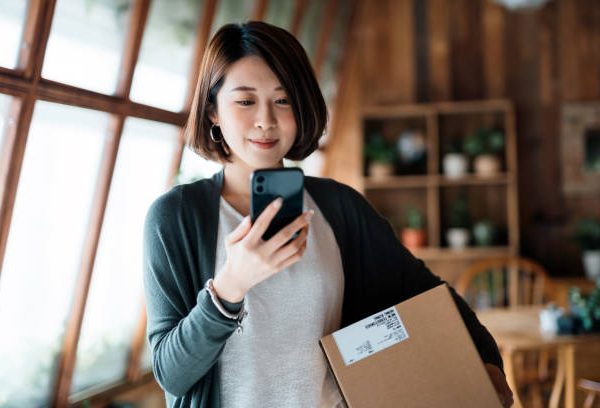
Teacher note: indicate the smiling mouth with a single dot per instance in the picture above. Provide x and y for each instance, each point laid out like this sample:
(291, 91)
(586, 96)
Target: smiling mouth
(264, 144)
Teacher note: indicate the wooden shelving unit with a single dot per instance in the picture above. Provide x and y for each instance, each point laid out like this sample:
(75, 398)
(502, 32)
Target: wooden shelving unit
(430, 190)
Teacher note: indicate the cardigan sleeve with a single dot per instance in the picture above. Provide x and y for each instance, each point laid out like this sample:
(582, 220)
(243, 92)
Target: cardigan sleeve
(185, 339)
(397, 275)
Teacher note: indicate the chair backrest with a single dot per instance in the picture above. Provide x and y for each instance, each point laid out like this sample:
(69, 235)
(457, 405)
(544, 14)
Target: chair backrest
(504, 282)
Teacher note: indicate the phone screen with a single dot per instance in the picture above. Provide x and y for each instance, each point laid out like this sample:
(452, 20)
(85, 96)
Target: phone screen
(268, 184)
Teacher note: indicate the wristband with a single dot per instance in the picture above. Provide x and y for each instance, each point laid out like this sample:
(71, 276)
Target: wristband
(239, 316)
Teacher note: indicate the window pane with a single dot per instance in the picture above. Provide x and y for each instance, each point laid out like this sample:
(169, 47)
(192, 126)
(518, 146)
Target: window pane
(115, 299)
(194, 167)
(86, 43)
(5, 119)
(12, 20)
(335, 49)
(44, 247)
(232, 11)
(161, 74)
(311, 26)
(280, 13)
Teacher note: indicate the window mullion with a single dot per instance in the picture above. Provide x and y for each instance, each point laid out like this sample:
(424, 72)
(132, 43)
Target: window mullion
(299, 12)
(260, 8)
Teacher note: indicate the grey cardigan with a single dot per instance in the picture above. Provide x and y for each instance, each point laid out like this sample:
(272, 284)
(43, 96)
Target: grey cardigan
(185, 330)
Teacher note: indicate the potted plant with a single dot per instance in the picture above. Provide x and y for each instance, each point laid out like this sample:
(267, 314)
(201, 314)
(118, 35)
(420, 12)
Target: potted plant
(455, 162)
(484, 233)
(458, 233)
(587, 234)
(485, 145)
(414, 235)
(584, 312)
(380, 155)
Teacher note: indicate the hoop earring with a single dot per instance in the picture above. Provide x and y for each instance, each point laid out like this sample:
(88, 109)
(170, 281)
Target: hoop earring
(212, 135)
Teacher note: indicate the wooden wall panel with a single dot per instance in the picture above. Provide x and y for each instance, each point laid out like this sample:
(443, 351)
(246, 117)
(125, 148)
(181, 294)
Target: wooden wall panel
(475, 49)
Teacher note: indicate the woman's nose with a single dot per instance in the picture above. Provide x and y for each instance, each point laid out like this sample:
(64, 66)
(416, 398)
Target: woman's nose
(265, 118)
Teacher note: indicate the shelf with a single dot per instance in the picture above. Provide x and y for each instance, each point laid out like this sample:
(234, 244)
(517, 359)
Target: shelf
(398, 182)
(461, 254)
(422, 181)
(473, 180)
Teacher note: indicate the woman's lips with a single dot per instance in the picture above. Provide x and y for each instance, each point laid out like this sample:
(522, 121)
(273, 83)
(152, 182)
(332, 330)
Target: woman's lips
(263, 144)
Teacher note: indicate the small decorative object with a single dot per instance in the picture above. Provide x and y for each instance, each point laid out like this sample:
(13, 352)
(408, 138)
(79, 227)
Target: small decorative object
(484, 233)
(458, 234)
(549, 317)
(484, 145)
(411, 147)
(455, 162)
(380, 155)
(584, 313)
(414, 236)
(587, 234)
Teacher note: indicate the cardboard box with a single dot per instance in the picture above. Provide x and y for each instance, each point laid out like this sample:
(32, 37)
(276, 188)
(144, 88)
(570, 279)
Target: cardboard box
(415, 354)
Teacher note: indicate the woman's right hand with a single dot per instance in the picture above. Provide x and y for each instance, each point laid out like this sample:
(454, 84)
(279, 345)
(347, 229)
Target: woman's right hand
(251, 260)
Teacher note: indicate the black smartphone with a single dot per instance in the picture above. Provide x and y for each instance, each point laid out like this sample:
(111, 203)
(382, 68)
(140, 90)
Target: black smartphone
(268, 184)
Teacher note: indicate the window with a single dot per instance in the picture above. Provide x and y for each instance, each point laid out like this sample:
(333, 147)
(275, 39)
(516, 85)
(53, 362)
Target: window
(43, 252)
(162, 73)
(115, 300)
(86, 43)
(12, 19)
(6, 120)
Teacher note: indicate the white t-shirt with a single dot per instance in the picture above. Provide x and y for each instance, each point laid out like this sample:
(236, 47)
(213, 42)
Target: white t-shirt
(277, 361)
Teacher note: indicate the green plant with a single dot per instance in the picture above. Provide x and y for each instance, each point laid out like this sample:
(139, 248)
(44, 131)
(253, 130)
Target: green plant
(586, 308)
(453, 146)
(484, 141)
(460, 215)
(587, 234)
(414, 218)
(379, 150)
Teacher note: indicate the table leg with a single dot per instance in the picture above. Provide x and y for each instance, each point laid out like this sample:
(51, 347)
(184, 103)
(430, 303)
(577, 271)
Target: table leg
(570, 376)
(559, 381)
(509, 370)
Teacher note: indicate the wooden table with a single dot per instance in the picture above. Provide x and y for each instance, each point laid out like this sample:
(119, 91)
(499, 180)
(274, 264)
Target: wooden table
(516, 330)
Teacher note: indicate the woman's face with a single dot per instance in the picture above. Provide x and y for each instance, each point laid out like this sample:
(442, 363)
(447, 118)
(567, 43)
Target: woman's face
(255, 115)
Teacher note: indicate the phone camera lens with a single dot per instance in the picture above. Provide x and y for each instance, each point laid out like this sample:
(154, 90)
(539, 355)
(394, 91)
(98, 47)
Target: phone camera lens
(260, 179)
(259, 189)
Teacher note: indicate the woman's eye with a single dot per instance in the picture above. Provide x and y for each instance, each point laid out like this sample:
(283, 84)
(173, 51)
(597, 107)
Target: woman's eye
(282, 101)
(245, 102)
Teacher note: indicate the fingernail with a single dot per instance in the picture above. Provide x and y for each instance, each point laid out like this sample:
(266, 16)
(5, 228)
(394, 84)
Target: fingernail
(309, 215)
(278, 202)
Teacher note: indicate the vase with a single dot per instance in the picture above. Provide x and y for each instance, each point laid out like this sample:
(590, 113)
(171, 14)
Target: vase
(486, 165)
(458, 238)
(455, 165)
(413, 238)
(591, 264)
(484, 233)
(380, 170)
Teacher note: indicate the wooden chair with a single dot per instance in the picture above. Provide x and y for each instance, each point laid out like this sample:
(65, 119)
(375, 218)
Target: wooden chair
(592, 389)
(504, 282)
(512, 281)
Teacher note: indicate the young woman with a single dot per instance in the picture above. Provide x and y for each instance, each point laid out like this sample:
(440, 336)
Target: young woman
(208, 272)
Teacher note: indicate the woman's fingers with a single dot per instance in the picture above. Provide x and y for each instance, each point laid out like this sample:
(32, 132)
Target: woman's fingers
(287, 233)
(294, 247)
(239, 232)
(264, 219)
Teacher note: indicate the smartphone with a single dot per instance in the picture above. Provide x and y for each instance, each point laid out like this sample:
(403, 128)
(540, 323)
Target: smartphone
(268, 184)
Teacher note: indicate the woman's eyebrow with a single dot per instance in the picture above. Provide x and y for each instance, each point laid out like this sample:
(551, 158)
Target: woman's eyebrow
(250, 89)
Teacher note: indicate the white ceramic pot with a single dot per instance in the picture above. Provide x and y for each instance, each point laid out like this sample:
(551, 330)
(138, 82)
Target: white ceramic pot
(380, 170)
(591, 264)
(455, 165)
(458, 238)
(486, 165)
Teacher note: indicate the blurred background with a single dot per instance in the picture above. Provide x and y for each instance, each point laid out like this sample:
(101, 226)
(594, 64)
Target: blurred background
(473, 126)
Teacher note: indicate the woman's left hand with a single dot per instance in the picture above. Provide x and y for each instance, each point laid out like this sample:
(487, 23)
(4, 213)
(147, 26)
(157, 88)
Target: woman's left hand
(499, 381)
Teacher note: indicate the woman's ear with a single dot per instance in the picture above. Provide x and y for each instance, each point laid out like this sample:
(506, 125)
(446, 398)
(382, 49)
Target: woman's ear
(212, 115)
